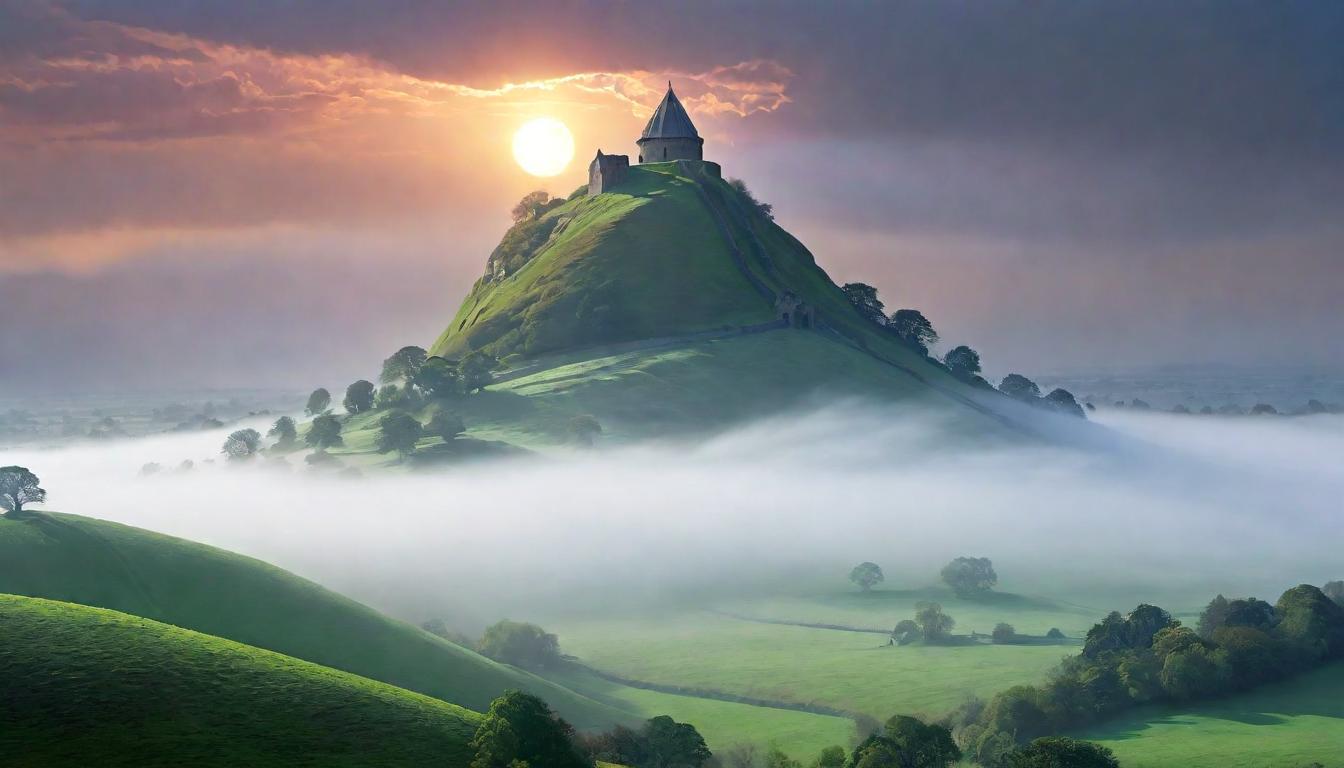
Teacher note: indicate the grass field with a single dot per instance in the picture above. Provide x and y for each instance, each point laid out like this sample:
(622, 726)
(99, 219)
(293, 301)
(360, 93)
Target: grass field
(93, 562)
(87, 686)
(1294, 723)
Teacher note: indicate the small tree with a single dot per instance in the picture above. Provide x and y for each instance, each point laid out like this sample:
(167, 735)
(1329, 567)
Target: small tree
(830, 757)
(284, 431)
(521, 730)
(324, 432)
(318, 402)
(866, 575)
(438, 379)
(584, 430)
(1059, 751)
(970, 576)
(864, 298)
(674, 745)
(1062, 401)
(446, 425)
(359, 397)
(767, 210)
(520, 644)
(1003, 633)
(962, 361)
(935, 625)
(1055, 633)
(912, 327)
(778, 758)
(531, 204)
(403, 365)
(18, 487)
(475, 371)
(398, 432)
(242, 444)
(1019, 387)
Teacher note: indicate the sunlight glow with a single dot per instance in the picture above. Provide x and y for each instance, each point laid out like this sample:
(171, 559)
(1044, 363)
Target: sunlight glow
(543, 147)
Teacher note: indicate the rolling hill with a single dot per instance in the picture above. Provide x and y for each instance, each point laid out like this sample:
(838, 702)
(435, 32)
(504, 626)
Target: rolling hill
(89, 686)
(98, 563)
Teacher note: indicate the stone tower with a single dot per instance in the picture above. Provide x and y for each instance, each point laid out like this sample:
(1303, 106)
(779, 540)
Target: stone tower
(606, 171)
(670, 135)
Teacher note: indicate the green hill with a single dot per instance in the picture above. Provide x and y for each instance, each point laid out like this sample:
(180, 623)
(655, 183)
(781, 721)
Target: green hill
(93, 562)
(88, 686)
(658, 301)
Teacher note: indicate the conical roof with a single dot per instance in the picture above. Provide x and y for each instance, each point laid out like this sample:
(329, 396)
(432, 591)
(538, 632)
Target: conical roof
(670, 120)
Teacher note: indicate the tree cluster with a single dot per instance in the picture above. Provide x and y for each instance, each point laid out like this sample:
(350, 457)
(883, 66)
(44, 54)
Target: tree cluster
(660, 743)
(970, 577)
(520, 644)
(1147, 656)
(1024, 390)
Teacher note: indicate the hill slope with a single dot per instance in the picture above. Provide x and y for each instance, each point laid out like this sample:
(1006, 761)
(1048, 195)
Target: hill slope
(86, 686)
(93, 562)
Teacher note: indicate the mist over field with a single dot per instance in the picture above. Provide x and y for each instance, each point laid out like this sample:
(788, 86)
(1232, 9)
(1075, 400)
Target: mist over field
(1176, 508)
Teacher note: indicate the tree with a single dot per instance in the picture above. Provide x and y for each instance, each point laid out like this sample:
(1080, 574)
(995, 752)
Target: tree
(1062, 401)
(906, 631)
(398, 432)
(962, 361)
(1062, 752)
(359, 397)
(912, 327)
(242, 444)
(438, 379)
(778, 758)
(1055, 634)
(475, 371)
(920, 744)
(674, 745)
(521, 730)
(935, 625)
(18, 487)
(445, 425)
(1312, 622)
(864, 298)
(403, 365)
(1213, 617)
(830, 757)
(584, 430)
(318, 402)
(767, 210)
(284, 431)
(1019, 387)
(531, 204)
(970, 576)
(1003, 633)
(520, 644)
(391, 396)
(324, 432)
(866, 575)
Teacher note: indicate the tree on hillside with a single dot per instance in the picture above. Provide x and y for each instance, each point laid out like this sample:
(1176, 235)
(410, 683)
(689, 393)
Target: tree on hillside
(438, 379)
(584, 430)
(1062, 752)
(284, 431)
(520, 644)
(519, 731)
(1003, 634)
(532, 204)
(935, 625)
(318, 402)
(674, 745)
(324, 432)
(398, 432)
(403, 365)
(962, 361)
(970, 576)
(359, 397)
(475, 371)
(912, 327)
(446, 425)
(830, 757)
(1019, 387)
(242, 444)
(19, 486)
(906, 742)
(765, 209)
(866, 575)
(864, 298)
(1062, 401)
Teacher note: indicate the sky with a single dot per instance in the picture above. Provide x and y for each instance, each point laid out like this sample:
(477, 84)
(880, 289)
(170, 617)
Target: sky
(233, 194)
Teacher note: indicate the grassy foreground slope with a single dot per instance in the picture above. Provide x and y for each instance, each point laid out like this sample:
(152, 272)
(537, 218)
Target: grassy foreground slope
(1294, 723)
(94, 562)
(88, 686)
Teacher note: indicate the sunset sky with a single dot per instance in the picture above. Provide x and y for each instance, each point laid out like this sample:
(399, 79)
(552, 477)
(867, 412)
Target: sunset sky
(253, 193)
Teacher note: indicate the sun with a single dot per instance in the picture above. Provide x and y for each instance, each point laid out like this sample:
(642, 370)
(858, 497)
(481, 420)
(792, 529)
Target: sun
(543, 147)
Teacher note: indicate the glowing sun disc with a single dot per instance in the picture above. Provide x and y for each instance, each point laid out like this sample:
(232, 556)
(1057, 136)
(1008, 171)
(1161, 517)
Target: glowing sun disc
(543, 147)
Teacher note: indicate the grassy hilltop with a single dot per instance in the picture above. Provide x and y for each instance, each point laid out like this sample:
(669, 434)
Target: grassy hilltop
(98, 563)
(87, 686)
